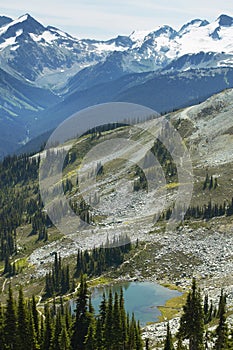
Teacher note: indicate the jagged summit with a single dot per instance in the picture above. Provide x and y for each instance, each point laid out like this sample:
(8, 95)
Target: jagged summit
(225, 21)
(24, 23)
(195, 23)
(28, 20)
(25, 17)
(167, 30)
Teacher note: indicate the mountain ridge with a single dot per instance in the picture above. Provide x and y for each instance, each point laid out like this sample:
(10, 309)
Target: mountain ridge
(143, 67)
(144, 50)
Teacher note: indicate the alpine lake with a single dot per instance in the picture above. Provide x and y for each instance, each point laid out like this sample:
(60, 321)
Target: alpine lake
(141, 298)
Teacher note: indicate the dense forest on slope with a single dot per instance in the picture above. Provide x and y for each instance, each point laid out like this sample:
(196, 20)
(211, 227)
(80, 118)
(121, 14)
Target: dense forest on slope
(57, 327)
(61, 280)
(25, 326)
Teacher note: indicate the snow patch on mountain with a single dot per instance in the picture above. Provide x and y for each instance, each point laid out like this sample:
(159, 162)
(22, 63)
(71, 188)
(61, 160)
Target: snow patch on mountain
(196, 23)
(45, 37)
(199, 39)
(100, 47)
(10, 42)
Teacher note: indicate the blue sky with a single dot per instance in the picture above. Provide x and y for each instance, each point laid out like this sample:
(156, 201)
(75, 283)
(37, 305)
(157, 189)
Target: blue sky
(103, 19)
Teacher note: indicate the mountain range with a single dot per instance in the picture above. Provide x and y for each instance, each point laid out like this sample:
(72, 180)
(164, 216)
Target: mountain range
(46, 74)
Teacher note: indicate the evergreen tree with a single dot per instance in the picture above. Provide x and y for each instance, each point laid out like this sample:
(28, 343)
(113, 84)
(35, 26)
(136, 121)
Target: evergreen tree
(147, 344)
(222, 329)
(10, 324)
(48, 329)
(82, 317)
(123, 319)
(7, 266)
(215, 183)
(206, 305)
(64, 340)
(206, 309)
(35, 316)
(117, 331)
(2, 342)
(57, 281)
(168, 341)
(33, 335)
(24, 332)
(41, 333)
(108, 326)
(192, 320)
(211, 183)
(99, 334)
(132, 334)
(210, 314)
(139, 342)
(56, 333)
(91, 309)
(90, 339)
(103, 309)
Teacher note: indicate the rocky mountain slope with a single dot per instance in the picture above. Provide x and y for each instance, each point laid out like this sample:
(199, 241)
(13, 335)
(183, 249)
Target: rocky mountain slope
(200, 246)
(205, 128)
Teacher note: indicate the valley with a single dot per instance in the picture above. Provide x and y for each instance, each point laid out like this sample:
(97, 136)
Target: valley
(133, 188)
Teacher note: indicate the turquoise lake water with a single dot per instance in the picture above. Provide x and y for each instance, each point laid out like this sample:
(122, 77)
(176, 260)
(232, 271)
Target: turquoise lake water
(142, 298)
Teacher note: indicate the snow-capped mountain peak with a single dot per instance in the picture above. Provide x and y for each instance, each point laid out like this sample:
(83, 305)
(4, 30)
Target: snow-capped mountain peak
(48, 51)
(139, 35)
(25, 23)
(196, 23)
(164, 30)
(84, 70)
(25, 17)
(53, 56)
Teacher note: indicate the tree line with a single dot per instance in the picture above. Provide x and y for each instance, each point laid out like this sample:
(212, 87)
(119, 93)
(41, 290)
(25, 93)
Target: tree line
(95, 262)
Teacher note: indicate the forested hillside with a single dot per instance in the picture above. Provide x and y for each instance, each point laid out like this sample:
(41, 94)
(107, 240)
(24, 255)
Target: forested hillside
(36, 259)
(23, 326)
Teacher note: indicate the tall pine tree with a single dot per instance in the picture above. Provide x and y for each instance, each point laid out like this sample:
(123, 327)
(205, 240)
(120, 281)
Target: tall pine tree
(10, 324)
(192, 320)
(222, 329)
(82, 317)
(168, 341)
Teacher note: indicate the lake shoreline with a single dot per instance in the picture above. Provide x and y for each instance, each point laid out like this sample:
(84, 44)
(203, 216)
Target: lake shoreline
(162, 300)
